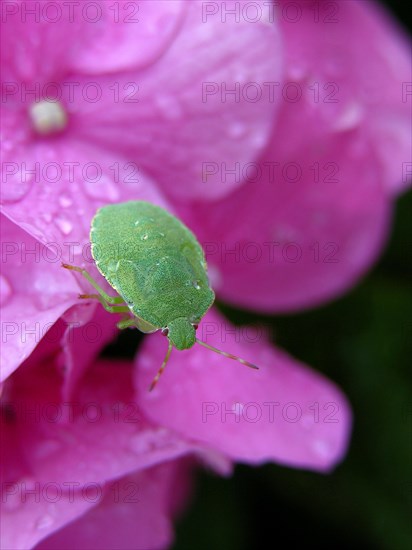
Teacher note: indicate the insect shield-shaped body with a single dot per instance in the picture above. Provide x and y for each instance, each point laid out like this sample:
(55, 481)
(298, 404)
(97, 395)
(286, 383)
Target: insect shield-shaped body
(158, 269)
(156, 265)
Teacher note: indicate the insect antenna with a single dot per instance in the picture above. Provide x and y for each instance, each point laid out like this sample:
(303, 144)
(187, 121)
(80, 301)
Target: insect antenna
(162, 368)
(243, 361)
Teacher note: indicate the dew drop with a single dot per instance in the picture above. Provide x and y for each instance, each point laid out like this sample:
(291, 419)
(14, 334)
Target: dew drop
(307, 421)
(65, 226)
(103, 188)
(169, 107)
(44, 522)
(349, 118)
(236, 129)
(150, 440)
(295, 71)
(17, 187)
(6, 145)
(258, 140)
(113, 266)
(47, 448)
(321, 448)
(65, 201)
(237, 408)
(12, 499)
(139, 443)
(145, 237)
(5, 290)
(215, 276)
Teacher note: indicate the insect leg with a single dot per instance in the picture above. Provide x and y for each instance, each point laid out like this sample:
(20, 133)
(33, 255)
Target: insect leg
(162, 368)
(106, 297)
(108, 307)
(126, 322)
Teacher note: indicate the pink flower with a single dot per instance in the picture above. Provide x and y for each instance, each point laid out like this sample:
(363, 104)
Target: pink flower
(290, 194)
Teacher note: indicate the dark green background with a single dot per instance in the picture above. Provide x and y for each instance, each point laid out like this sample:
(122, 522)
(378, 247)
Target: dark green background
(363, 342)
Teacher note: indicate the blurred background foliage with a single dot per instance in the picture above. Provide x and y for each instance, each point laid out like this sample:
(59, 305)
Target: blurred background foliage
(362, 342)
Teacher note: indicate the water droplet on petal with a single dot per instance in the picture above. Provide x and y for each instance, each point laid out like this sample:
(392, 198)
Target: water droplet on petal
(307, 421)
(139, 443)
(47, 448)
(236, 130)
(16, 185)
(169, 107)
(296, 73)
(237, 408)
(148, 441)
(349, 118)
(103, 189)
(44, 522)
(321, 448)
(65, 201)
(258, 139)
(5, 290)
(65, 226)
(215, 277)
(11, 499)
(47, 217)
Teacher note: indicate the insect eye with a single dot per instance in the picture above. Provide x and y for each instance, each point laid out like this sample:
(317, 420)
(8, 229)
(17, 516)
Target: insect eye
(165, 331)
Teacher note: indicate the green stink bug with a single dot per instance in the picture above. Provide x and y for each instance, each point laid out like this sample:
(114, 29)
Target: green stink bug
(158, 269)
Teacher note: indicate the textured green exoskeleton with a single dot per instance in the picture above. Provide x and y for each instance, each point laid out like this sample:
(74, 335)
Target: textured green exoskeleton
(158, 269)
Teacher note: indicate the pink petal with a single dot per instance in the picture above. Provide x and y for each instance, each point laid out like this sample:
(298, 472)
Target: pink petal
(98, 436)
(42, 41)
(89, 329)
(134, 513)
(303, 231)
(34, 42)
(284, 412)
(35, 291)
(175, 118)
(27, 519)
(53, 187)
(126, 35)
(351, 63)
